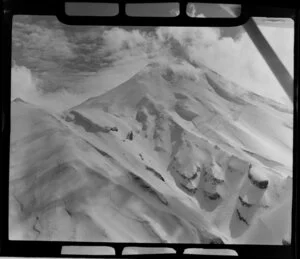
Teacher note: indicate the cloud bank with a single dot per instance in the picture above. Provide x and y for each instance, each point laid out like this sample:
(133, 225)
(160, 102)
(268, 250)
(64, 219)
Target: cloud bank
(77, 63)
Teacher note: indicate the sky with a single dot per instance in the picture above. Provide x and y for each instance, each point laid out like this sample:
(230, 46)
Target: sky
(59, 66)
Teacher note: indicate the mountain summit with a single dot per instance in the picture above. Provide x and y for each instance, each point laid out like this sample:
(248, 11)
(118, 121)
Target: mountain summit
(174, 154)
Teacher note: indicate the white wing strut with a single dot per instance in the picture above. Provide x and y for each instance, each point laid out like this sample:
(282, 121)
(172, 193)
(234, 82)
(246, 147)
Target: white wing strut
(269, 55)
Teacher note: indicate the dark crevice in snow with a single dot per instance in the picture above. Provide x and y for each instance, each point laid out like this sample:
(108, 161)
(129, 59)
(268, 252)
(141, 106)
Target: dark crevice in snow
(34, 227)
(68, 212)
(241, 218)
(195, 175)
(157, 174)
(245, 204)
(100, 151)
(146, 187)
(106, 155)
(189, 190)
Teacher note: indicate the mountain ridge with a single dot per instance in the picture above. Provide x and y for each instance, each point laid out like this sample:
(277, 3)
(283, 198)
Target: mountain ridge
(163, 150)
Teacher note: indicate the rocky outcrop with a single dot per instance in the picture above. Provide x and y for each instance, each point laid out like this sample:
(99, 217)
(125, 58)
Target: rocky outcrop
(244, 203)
(88, 125)
(212, 196)
(138, 181)
(157, 174)
(130, 136)
(114, 129)
(141, 117)
(259, 183)
(241, 218)
(209, 176)
(189, 189)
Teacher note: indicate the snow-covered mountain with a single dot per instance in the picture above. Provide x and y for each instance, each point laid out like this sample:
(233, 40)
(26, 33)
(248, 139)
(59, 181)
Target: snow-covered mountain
(168, 156)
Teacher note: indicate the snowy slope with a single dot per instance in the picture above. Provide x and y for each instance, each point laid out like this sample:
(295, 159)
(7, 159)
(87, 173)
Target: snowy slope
(163, 157)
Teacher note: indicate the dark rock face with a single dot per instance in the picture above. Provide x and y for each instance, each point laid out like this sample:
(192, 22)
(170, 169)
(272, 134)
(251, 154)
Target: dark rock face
(87, 124)
(130, 135)
(194, 176)
(209, 177)
(241, 218)
(209, 238)
(212, 196)
(114, 129)
(157, 174)
(259, 184)
(188, 178)
(142, 117)
(189, 190)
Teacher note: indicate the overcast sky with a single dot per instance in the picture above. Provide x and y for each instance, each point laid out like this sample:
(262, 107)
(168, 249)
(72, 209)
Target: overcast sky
(60, 66)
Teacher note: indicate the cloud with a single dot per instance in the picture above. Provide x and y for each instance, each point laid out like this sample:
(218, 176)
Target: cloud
(85, 62)
(23, 83)
(40, 46)
(174, 12)
(192, 11)
(119, 43)
(236, 59)
(117, 73)
(188, 36)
